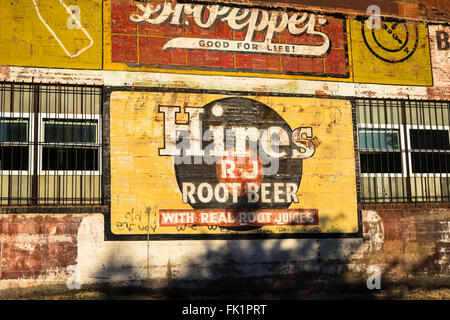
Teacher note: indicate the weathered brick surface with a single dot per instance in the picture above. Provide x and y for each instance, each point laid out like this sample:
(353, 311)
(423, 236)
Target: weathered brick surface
(404, 242)
(432, 9)
(36, 245)
(413, 242)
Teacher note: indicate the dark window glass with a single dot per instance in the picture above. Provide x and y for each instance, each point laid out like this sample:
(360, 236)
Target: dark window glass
(13, 158)
(68, 131)
(429, 139)
(379, 139)
(427, 162)
(381, 162)
(60, 158)
(13, 130)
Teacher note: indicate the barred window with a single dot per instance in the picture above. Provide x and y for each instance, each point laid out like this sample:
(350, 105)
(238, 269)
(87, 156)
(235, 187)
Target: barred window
(50, 144)
(404, 150)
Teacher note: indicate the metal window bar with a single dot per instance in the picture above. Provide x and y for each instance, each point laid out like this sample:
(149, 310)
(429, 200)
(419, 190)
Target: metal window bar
(423, 154)
(50, 144)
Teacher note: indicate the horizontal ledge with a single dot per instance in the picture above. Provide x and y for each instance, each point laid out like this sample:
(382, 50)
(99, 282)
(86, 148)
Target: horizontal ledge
(54, 209)
(407, 205)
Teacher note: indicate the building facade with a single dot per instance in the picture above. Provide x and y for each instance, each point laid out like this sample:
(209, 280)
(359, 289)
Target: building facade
(171, 141)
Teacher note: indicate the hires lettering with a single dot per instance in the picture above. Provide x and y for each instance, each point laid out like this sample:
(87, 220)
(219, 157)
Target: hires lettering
(222, 139)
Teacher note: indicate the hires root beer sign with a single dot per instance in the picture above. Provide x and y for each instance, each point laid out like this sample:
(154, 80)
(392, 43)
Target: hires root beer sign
(211, 164)
(157, 34)
(227, 157)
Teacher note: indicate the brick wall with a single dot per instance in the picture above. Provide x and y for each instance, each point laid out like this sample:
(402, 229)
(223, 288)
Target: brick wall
(37, 246)
(431, 9)
(408, 242)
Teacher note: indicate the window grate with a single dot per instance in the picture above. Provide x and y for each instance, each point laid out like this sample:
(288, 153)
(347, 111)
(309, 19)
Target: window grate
(50, 144)
(403, 150)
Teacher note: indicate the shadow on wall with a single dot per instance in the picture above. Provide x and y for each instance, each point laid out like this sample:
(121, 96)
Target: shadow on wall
(412, 254)
(232, 268)
(280, 269)
(291, 268)
(411, 248)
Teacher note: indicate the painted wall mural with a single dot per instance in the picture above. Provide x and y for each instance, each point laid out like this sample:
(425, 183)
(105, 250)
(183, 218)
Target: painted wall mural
(46, 33)
(211, 39)
(398, 53)
(208, 39)
(190, 165)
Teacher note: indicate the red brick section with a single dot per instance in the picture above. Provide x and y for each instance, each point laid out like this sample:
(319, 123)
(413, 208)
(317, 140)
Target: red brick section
(142, 45)
(434, 9)
(35, 245)
(441, 5)
(124, 48)
(408, 10)
(120, 11)
(387, 6)
(415, 240)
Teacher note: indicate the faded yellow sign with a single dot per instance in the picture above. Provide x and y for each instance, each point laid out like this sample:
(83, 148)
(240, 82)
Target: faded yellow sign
(396, 53)
(51, 33)
(175, 167)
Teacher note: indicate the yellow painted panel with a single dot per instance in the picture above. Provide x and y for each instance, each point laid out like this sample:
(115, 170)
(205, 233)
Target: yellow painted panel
(42, 33)
(143, 182)
(398, 53)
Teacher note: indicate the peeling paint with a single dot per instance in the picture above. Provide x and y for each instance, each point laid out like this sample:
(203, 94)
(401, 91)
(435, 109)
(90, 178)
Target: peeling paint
(445, 233)
(373, 231)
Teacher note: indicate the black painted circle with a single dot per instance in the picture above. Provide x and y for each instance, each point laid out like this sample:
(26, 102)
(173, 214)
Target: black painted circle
(240, 112)
(378, 55)
(388, 49)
